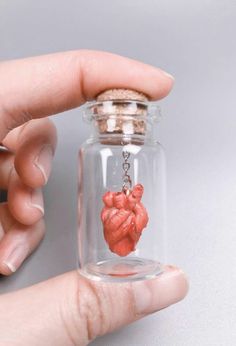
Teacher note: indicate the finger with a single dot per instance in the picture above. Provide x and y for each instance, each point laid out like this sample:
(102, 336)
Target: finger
(17, 242)
(105, 307)
(34, 145)
(25, 204)
(6, 165)
(41, 86)
(71, 310)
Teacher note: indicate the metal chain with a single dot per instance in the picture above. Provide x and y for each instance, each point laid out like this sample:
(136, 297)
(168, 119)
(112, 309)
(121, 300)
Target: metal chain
(127, 182)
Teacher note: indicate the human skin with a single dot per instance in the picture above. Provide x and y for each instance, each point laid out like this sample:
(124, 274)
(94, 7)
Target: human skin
(68, 309)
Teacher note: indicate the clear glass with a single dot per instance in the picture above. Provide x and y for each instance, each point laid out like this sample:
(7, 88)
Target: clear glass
(101, 169)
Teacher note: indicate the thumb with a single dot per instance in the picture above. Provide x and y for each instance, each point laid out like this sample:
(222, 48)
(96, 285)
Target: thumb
(104, 307)
(72, 310)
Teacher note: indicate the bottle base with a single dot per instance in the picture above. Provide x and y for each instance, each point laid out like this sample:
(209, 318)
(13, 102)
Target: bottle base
(122, 270)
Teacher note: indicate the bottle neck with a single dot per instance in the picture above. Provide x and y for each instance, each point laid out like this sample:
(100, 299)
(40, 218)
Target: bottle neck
(122, 121)
(121, 129)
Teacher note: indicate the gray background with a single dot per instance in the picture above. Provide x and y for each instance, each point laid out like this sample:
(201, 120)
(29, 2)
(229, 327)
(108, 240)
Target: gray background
(195, 41)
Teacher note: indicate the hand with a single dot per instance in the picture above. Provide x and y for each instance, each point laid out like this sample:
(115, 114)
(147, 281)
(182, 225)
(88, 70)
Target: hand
(69, 309)
(24, 169)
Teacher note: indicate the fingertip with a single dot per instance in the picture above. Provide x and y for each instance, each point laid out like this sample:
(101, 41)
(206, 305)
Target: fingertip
(18, 243)
(6, 269)
(150, 80)
(25, 204)
(37, 144)
(43, 162)
(34, 164)
(30, 173)
(179, 278)
(166, 81)
(168, 75)
(156, 294)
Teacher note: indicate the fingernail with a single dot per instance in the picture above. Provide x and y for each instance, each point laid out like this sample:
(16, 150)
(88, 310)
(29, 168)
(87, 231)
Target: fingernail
(156, 294)
(168, 75)
(44, 161)
(16, 257)
(37, 200)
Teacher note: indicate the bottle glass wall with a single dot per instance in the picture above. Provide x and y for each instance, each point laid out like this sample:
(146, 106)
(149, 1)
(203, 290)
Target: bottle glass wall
(121, 197)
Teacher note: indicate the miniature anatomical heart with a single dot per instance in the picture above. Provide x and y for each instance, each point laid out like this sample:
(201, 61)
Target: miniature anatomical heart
(124, 217)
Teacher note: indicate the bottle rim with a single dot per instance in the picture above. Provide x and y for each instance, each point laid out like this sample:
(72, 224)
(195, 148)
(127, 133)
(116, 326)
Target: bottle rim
(151, 110)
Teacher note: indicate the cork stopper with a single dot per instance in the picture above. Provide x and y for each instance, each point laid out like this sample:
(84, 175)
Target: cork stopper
(125, 113)
(121, 94)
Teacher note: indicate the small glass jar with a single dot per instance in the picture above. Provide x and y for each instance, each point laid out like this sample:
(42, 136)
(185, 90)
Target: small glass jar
(121, 202)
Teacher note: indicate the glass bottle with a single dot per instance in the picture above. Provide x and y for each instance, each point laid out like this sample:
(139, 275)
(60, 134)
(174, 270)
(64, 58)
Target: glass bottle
(121, 198)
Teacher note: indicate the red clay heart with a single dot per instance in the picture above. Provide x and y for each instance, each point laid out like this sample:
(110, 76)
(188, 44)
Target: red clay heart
(124, 217)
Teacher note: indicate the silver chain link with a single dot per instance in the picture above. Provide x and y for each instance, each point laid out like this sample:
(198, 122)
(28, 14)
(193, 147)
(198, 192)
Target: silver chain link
(127, 182)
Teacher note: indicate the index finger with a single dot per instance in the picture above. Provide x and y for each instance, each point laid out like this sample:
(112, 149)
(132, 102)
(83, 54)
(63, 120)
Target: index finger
(41, 86)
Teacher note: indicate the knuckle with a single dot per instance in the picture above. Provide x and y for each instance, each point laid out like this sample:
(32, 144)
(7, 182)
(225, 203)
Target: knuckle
(93, 306)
